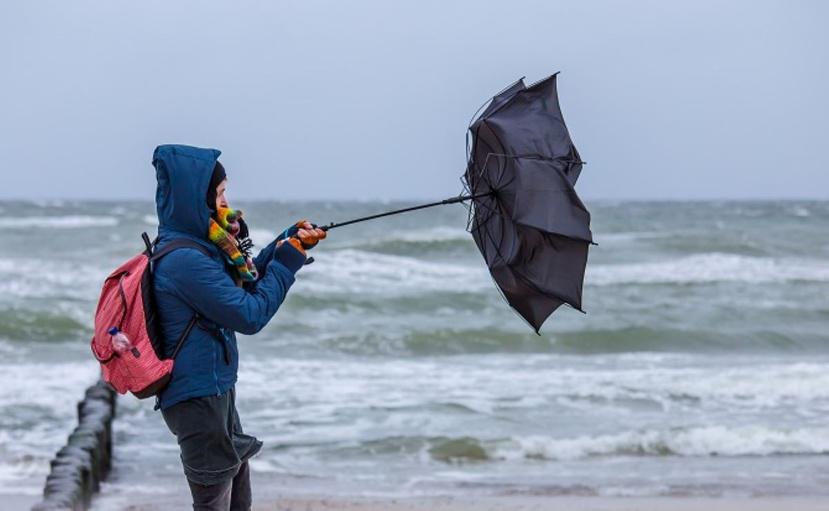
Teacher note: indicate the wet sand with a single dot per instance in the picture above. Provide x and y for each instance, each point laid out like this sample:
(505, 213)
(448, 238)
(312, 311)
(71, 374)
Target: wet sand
(280, 493)
(505, 503)
(547, 504)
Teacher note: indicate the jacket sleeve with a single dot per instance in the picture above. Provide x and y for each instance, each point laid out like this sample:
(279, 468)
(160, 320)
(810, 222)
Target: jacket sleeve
(204, 285)
(266, 254)
(264, 257)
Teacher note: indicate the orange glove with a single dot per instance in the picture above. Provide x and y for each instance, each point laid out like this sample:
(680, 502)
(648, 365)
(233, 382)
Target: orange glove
(302, 236)
(309, 235)
(296, 244)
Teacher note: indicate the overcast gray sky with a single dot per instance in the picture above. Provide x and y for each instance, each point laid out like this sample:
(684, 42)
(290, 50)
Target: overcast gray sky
(365, 99)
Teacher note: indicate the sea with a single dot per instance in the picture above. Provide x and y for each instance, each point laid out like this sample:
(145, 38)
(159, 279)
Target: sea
(395, 367)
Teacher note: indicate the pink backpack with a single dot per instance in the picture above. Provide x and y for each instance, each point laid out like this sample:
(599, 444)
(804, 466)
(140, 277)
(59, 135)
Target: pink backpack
(127, 304)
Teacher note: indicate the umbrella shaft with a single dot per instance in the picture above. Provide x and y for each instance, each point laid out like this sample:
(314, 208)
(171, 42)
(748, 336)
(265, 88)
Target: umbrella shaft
(452, 200)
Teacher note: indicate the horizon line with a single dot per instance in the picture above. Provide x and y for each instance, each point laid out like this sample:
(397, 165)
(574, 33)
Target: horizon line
(426, 199)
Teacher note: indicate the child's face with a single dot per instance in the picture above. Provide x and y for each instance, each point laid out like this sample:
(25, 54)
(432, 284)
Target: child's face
(221, 201)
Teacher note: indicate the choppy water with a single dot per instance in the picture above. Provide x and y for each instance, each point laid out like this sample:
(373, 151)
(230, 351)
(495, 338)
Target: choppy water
(701, 368)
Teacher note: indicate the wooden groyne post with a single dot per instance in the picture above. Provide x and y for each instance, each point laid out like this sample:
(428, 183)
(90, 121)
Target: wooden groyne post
(85, 460)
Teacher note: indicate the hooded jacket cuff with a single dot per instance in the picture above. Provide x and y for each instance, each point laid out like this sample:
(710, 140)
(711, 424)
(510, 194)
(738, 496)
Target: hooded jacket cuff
(289, 256)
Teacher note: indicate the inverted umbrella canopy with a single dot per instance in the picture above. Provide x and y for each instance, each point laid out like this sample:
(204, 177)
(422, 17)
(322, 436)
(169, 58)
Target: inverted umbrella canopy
(525, 121)
(525, 216)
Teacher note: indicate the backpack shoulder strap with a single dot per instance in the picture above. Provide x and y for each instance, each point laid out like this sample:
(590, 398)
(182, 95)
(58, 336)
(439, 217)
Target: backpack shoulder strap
(173, 245)
(184, 334)
(155, 255)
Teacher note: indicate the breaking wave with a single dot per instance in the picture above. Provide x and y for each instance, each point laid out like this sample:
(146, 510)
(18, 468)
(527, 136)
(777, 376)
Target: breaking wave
(708, 268)
(682, 442)
(360, 271)
(701, 441)
(32, 325)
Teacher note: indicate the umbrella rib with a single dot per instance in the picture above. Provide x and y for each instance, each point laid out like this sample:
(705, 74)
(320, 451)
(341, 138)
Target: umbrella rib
(488, 101)
(492, 213)
(525, 279)
(496, 187)
(570, 188)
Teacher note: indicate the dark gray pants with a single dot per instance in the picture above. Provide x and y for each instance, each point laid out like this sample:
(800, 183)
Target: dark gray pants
(232, 495)
(214, 451)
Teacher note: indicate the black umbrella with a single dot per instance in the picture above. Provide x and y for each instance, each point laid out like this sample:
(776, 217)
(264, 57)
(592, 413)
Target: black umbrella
(524, 215)
(526, 218)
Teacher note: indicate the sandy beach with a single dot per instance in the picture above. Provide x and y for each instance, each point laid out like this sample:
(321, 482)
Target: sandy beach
(323, 503)
(545, 504)
(298, 494)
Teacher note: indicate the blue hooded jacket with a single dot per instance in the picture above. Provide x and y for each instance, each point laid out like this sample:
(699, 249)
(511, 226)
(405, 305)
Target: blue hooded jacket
(187, 281)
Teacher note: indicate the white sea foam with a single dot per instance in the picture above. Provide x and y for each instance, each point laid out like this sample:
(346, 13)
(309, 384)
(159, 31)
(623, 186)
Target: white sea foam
(46, 384)
(58, 222)
(53, 278)
(624, 237)
(352, 270)
(437, 233)
(710, 267)
(18, 476)
(802, 385)
(48, 392)
(261, 237)
(431, 234)
(641, 490)
(496, 387)
(701, 441)
(800, 211)
(803, 388)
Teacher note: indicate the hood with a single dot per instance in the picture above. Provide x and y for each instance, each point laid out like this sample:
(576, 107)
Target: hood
(183, 174)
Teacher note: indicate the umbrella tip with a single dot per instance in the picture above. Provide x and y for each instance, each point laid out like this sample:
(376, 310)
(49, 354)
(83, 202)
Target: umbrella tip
(578, 308)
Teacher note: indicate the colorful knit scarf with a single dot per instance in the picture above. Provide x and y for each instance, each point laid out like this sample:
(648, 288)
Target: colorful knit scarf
(224, 234)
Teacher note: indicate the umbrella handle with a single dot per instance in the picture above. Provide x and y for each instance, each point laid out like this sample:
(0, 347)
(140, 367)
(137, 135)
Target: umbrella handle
(310, 260)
